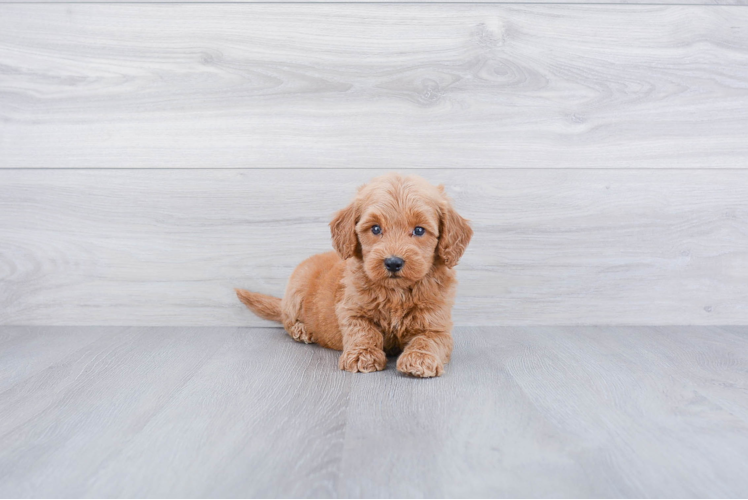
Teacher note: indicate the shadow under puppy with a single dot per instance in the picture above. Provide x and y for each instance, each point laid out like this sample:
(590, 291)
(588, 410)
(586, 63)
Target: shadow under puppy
(389, 288)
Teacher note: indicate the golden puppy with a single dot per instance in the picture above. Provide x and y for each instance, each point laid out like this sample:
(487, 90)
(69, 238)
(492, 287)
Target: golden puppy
(390, 286)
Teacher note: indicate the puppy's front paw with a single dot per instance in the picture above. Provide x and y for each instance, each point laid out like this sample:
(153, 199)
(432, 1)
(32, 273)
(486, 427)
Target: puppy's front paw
(420, 364)
(362, 359)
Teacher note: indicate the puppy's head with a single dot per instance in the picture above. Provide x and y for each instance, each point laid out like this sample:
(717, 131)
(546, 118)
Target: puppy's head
(400, 227)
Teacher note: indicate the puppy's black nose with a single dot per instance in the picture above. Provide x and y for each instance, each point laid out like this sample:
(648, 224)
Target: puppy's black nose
(393, 264)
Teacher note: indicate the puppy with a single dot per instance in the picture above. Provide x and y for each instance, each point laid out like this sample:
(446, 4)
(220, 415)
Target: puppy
(388, 288)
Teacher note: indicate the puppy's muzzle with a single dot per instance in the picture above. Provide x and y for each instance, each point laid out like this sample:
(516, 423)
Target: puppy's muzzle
(394, 264)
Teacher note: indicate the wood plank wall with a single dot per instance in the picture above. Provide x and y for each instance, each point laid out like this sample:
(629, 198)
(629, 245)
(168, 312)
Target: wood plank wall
(155, 155)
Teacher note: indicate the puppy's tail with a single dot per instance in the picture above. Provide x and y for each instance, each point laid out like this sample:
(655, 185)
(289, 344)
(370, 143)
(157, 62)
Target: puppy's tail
(265, 306)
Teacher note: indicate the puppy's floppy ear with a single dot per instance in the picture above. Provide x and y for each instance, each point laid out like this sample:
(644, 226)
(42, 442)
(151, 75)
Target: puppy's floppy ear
(454, 234)
(343, 230)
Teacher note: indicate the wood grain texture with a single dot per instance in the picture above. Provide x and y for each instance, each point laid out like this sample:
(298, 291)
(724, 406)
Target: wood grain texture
(167, 247)
(559, 412)
(165, 412)
(373, 86)
(25, 350)
(601, 2)
(239, 412)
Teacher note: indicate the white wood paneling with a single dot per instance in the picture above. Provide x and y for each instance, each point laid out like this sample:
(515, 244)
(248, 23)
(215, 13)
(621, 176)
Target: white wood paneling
(373, 86)
(602, 2)
(166, 247)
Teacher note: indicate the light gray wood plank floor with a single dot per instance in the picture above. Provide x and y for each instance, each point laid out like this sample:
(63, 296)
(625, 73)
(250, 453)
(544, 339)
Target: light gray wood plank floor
(521, 411)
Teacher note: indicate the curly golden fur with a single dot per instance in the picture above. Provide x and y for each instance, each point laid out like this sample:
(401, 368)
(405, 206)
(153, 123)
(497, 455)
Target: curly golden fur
(349, 300)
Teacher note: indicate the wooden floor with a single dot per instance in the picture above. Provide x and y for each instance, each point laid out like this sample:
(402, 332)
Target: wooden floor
(521, 411)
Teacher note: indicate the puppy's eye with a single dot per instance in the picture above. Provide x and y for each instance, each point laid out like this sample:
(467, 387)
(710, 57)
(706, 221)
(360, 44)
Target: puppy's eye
(419, 231)
(376, 229)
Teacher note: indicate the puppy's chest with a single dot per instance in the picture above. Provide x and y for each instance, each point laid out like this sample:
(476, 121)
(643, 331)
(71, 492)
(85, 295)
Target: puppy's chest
(394, 318)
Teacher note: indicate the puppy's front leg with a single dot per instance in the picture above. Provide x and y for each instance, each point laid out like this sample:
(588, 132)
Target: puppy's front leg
(362, 347)
(426, 354)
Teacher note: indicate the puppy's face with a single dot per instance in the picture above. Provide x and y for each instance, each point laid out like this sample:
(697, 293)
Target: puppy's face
(400, 227)
(398, 238)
